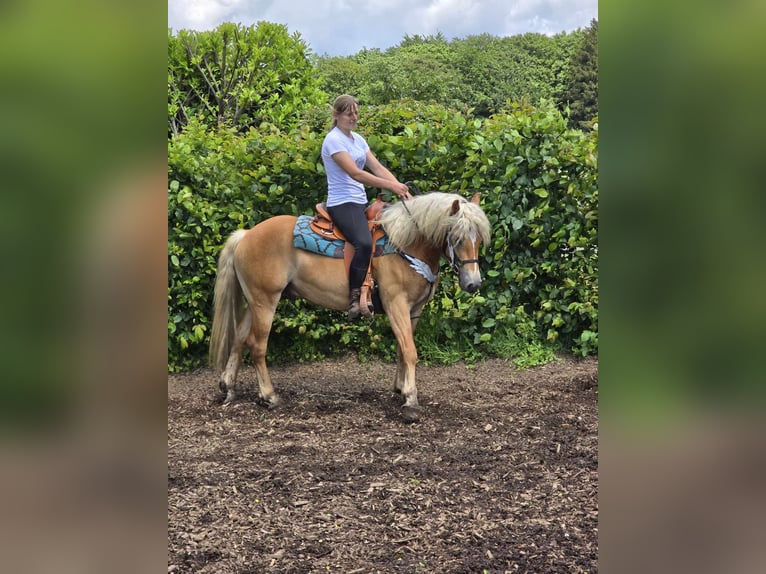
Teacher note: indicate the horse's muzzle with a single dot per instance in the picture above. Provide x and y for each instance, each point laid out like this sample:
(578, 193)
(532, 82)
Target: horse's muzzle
(469, 282)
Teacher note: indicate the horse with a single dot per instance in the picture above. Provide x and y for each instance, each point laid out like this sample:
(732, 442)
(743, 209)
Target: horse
(262, 264)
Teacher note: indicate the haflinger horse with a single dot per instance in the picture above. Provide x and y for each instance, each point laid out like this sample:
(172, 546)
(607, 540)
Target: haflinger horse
(263, 264)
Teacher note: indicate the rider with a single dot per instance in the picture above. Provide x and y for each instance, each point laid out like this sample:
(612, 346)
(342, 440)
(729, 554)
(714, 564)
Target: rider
(345, 154)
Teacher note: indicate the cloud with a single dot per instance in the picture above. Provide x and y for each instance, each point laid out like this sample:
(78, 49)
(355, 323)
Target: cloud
(450, 14)
(343, 27)
(549, 16)
(208, 14)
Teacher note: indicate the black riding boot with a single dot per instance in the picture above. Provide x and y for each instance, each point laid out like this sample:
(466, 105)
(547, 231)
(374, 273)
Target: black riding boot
(354, 311)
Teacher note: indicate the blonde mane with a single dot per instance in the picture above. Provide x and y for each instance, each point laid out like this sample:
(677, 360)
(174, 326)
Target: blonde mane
(427, 218)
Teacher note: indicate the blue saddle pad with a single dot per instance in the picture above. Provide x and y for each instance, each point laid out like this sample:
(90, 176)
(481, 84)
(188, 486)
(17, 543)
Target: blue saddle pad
(307, 239)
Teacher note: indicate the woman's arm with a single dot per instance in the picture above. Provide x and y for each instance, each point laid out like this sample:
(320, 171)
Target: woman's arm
(380, 176)
(378, 168)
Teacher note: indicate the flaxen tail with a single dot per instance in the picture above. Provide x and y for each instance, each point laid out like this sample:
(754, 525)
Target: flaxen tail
(228, 304)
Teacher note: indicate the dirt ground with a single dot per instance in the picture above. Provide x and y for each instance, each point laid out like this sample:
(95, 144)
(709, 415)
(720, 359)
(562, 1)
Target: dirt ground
(499, 475)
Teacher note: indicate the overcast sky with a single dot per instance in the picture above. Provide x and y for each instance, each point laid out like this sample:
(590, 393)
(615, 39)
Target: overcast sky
(343, 27)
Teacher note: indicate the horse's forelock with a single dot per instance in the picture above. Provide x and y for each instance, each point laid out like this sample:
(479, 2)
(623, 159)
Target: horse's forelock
(469, 220)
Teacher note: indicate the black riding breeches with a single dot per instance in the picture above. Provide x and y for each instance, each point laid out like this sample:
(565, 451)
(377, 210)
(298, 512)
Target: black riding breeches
(351, 219)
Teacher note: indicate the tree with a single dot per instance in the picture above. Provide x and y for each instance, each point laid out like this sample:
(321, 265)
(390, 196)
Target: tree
(239, 76)
(582, 93)
(424, 70)
(482, 72)
(567, 45)
(341, 75)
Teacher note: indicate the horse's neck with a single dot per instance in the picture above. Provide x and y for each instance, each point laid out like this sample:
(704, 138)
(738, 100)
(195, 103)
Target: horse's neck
(427, 254)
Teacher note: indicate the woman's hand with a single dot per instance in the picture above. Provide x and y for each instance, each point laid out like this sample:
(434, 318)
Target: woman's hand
(401, 190)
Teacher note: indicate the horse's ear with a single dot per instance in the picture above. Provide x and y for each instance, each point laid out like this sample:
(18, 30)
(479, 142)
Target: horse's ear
(455, 207)
(476, 198)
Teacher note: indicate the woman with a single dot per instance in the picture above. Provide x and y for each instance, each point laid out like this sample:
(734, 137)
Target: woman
(345, 154)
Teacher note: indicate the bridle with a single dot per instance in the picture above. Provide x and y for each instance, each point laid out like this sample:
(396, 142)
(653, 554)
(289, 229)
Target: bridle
(454, 261)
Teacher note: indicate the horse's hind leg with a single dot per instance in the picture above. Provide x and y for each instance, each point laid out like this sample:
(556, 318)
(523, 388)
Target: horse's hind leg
(229, 375)
(257, 340)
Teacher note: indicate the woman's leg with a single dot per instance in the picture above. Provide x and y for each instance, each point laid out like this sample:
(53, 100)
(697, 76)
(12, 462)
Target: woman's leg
(352, 221)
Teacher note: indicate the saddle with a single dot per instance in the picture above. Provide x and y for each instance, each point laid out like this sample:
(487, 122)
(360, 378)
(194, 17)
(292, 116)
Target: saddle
(323, 225)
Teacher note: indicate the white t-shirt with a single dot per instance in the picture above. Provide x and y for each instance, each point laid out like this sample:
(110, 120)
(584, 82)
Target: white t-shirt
(341, 187)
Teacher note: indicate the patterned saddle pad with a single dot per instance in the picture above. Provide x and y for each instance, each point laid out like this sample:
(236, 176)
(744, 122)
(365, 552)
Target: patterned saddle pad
(307, 239)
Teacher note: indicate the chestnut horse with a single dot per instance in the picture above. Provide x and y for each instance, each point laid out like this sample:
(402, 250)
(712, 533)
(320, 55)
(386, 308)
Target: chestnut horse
(262, 264)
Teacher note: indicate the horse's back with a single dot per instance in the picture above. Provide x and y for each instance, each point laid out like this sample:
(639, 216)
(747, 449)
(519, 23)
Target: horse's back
(265, 255)
(270, 234)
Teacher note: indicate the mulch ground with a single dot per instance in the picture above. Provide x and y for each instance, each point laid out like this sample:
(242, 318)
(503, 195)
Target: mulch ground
(499, 475)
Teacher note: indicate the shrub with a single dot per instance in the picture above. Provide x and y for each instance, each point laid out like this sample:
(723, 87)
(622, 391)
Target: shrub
(539, 190)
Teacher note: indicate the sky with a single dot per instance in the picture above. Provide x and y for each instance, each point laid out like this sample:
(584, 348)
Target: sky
(344, 27)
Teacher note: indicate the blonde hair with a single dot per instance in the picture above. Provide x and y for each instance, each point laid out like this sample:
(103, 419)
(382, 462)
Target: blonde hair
(340, 105)
(429, 217)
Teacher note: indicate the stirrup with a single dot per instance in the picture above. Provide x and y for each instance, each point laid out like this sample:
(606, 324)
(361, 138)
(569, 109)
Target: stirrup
(366, 307)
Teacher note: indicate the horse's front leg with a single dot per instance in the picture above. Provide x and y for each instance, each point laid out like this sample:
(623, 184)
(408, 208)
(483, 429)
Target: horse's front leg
(404, 383)
(401, 367)
(399, 378)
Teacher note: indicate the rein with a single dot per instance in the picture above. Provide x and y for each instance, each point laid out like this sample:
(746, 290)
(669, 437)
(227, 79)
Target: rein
(416, 191)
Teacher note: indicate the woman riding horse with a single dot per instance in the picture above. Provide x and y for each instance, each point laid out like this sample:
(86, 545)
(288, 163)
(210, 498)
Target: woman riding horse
(345, 154)
(263, 263)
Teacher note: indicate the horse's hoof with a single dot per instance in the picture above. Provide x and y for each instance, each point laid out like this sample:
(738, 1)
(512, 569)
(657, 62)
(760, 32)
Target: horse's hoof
(274, 402)
(230, 397)
(411, 414)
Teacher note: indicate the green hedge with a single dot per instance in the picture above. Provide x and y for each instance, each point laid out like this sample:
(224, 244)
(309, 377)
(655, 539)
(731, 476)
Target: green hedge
(539, 189)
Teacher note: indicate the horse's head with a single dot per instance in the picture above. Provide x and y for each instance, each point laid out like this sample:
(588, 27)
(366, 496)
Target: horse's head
(463, 241)
(443, 222)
